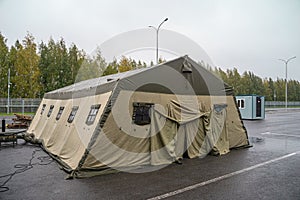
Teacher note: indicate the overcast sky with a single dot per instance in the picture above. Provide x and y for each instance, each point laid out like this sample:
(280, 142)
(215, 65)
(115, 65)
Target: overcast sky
(246, 34)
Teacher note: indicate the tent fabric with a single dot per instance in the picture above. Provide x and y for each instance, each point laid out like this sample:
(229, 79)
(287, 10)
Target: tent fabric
(188, 122)
(66, 140)
(162, 140)
(217, 132)
(176, 134)
(190, 111)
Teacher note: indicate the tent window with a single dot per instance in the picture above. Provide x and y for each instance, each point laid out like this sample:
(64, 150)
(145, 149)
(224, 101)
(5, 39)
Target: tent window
(241, 103)
(50, 110)
(219, 107)
(61, 109)
(72, 114)
(43, 109)
(92, 115)
(141, 113)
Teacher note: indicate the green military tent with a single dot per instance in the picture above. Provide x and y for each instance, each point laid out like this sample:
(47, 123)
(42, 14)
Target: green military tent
(145, 117)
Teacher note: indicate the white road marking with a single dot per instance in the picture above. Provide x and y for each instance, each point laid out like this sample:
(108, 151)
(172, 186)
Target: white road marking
(287, 135)
(191, 187)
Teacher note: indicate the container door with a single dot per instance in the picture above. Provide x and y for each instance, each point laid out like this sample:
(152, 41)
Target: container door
(258, 106)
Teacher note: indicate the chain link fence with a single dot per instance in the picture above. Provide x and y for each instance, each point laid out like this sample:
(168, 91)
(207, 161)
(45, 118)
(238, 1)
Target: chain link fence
(270, 104)
(18, 105)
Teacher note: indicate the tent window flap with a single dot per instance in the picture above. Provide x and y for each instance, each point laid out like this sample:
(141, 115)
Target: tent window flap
(72, 114)
(50, 110)
(61, 109)
(141, 113)
(92, 114)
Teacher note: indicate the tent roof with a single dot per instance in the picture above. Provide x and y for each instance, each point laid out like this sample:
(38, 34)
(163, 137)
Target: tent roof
(202, 81)
(91, 86)
(95, 82)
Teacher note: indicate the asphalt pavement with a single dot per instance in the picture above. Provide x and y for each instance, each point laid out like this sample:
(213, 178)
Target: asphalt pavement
(268, 170)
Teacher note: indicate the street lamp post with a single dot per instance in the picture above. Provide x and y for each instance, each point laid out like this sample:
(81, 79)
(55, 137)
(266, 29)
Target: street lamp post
(157, 30)
(286, 88)
(8, 88)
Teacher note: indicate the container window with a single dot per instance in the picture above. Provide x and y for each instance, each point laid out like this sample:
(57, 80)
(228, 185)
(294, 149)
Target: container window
(50, 110)
(141, 113)
(43, 109)
(92, 114)
(72, 114)
(241, 103)
(61, 109)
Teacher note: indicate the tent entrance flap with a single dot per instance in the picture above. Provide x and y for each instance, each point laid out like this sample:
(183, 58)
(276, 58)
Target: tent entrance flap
(196, 133)
(217, 133)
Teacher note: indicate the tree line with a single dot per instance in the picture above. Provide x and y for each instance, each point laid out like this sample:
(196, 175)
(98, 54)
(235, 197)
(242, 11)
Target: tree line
(249, 83)
(39, 68)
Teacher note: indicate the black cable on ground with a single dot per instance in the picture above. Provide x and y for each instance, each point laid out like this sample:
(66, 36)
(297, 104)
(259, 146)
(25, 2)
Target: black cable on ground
(44, 160)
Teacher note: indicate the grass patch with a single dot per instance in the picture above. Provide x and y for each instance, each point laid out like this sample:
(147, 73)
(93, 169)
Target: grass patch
(12, 114)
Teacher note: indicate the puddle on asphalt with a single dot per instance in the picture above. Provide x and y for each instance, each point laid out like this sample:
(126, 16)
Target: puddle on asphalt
(256, 139)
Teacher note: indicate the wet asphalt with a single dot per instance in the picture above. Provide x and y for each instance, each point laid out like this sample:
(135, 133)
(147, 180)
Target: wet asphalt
(260, 172)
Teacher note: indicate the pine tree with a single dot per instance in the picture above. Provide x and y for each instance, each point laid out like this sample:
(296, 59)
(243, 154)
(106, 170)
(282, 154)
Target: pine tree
(91, 67)
(125, 64)
(4, 65)
(75, 61)
(27, 74)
